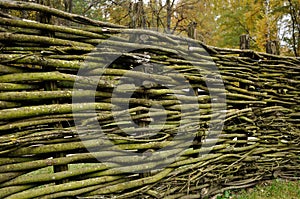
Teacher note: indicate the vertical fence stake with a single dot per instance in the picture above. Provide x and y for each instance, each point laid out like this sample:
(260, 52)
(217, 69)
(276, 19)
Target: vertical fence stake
(51, 86)
(273, 47)
(191, 30)
(244, 45)
(244, 42)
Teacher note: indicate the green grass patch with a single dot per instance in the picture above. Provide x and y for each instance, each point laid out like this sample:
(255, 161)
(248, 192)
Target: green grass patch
(275, 189)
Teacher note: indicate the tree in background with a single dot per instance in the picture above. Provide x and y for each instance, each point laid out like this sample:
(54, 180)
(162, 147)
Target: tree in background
(95, 9)
(200, 13)
(220, 23)
(215, 22)
(246, 17)
(290, 26)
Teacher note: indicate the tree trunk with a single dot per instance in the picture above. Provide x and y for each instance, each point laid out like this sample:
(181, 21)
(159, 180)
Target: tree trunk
(169, 14)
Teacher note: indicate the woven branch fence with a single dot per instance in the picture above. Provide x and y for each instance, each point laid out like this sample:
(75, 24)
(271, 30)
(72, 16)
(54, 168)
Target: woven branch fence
(42, 154)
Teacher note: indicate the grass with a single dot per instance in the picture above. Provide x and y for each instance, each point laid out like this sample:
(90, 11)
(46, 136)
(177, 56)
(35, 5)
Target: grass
(276, 189)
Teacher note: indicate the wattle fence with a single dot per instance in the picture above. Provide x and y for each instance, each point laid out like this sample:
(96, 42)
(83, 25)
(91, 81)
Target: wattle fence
(236, 112)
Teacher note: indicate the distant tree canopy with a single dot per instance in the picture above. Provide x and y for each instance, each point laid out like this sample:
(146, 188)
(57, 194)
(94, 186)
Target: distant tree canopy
(217, 22)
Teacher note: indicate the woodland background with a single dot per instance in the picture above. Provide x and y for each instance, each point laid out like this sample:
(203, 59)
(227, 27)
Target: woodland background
(217, 22)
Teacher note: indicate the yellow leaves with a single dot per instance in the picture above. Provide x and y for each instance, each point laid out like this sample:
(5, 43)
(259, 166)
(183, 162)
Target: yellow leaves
(261, 34)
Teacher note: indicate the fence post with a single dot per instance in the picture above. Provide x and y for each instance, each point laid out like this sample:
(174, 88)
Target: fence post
(51, 85)
(137, 15)
(138, 20)
(244, 45)
(244, 42)
(272, 47)
(191, 30)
